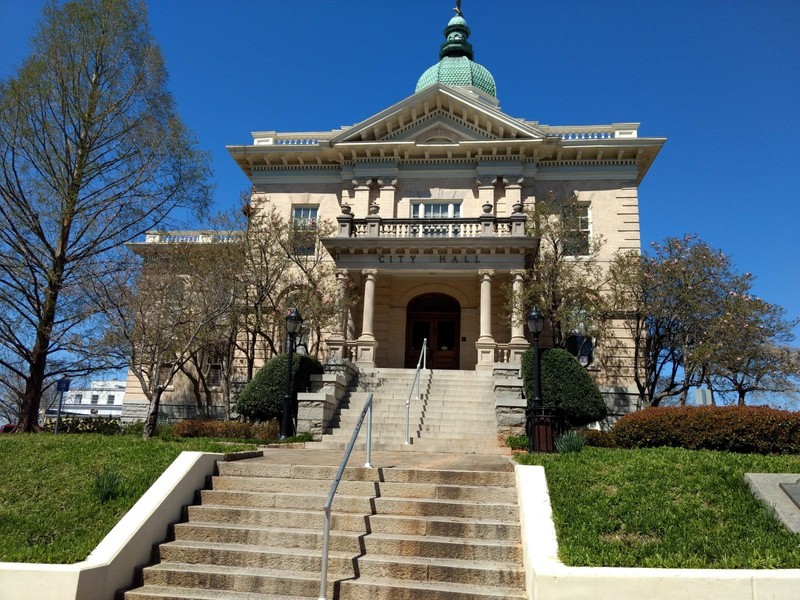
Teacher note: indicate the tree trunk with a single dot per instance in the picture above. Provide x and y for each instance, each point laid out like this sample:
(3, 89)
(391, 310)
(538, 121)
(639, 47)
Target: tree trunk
(151, 422)
(34, 384)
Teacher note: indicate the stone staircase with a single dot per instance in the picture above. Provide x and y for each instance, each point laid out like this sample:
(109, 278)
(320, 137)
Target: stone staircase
(455, 412)
(397, 533)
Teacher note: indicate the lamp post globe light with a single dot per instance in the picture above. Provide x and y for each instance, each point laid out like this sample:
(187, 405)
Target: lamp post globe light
(535, 325)
(294, 323)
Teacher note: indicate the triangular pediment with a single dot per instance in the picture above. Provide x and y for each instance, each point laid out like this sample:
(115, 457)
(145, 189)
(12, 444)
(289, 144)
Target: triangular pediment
(438, 115)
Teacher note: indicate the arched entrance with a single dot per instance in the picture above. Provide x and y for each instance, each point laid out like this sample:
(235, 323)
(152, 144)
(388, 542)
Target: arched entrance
(436, 317)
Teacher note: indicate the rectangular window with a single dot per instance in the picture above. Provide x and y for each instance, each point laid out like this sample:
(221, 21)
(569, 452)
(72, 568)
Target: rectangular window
(110, 399)
(95, 398)
(577, 223)
(304, 233)
(77, 398)
(214, 375)
(436, 210)
(163, 373)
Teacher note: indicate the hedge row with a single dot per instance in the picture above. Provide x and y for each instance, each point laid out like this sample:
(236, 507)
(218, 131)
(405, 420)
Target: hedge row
(263, 432)
(746, 429)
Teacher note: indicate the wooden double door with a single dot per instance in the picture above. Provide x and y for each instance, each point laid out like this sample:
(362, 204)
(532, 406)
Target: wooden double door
(437, 318)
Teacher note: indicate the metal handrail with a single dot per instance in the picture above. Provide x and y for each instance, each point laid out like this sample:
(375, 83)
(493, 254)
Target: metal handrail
(326, 520)
(423, 359)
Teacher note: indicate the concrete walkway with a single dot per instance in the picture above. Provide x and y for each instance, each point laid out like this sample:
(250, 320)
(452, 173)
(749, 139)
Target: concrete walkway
(502, 461)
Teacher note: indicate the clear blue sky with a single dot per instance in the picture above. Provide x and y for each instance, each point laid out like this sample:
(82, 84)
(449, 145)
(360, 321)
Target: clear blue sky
(719, 78)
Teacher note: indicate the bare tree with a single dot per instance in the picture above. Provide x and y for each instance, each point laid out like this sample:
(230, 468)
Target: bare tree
(564, 280)
(166, 310)
(92, 154)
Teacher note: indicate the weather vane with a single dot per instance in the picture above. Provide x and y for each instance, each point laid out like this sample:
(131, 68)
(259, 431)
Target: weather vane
(457, 9)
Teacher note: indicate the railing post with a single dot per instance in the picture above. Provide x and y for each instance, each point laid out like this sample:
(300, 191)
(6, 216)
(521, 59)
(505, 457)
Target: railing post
(420, 361)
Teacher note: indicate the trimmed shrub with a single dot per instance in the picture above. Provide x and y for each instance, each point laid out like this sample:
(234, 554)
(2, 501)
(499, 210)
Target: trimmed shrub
(565, 383)
(746, 429)
(598, 439)
(262, 398)
(101, 425)
(193, 428)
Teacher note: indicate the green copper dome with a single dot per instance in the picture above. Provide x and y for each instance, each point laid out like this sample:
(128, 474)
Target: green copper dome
(456, 67)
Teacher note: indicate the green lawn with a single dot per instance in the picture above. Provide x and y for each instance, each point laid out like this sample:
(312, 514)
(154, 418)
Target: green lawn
(666, 507)
(49, 510)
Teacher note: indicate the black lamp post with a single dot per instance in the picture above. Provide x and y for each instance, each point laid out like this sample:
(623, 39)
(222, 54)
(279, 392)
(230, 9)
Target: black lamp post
(294, 322)
(535, 325)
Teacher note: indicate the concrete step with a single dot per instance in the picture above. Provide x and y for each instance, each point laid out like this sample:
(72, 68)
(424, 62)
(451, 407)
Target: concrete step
(305, 501)
(483, 493)
(265, 517)
(238, 579)
(442, 570)
(428, 546)
(259, 557)
(156, 592)
(392, 589)
(234, 533)
(470, 446)
(291, 486)
(451, 508)
(445, 527)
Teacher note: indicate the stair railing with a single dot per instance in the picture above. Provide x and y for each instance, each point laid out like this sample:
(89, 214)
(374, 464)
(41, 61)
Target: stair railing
(423, 360)
(326, 518)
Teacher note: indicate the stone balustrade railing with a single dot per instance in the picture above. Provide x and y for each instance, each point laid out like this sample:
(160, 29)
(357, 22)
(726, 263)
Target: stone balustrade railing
(432, 228)
(190, 237)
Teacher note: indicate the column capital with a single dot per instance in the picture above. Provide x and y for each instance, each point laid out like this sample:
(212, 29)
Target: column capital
(387, 182)
(342, 273)
(370, 272)
(486, 181)
(362, 182)
(484, 273)
(517, 272)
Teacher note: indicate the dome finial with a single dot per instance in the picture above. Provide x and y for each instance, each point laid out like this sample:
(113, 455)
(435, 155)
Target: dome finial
(456, 66)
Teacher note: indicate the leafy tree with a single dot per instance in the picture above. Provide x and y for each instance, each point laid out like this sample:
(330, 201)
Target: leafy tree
(748, 349)
(174, 303)
(564, 280)
(680, 303)
(92, 154)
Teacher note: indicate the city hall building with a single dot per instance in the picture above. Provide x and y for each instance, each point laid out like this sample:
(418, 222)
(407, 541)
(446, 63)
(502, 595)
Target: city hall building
(429, 197)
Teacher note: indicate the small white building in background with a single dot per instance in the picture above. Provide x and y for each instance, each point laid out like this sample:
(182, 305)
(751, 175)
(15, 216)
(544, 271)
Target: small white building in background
(101, 398)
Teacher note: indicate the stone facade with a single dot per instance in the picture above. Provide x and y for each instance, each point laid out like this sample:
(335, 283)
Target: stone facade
(429, 198)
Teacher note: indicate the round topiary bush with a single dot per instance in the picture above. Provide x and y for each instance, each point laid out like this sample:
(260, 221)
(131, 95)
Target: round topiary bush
(262, 398)
(565, 384)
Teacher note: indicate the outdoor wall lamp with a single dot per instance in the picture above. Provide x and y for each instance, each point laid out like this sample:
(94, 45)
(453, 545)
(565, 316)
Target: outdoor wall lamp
(294, 323)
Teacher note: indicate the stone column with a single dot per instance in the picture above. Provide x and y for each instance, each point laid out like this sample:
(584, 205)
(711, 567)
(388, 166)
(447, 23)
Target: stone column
(336, 341)
(361, 189)
(486, 345)
(386, 197)
(519, 342)
(513, 195)
(367, 345)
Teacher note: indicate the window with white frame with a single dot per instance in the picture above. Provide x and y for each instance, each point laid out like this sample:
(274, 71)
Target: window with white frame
(110, 399)
(95, 398)
(436, 210)
(577, 221)
(305, 216)
(304, 219)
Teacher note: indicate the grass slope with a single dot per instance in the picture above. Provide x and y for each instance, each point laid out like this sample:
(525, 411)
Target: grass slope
(666, 507)
(49, 510)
